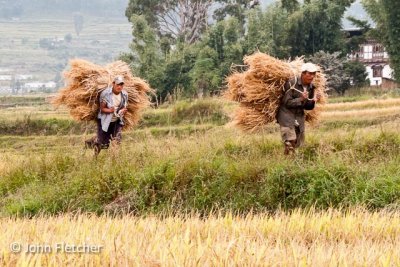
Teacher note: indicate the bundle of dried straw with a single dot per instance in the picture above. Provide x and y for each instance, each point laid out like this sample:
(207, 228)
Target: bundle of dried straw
(260, 88)
(85, 82)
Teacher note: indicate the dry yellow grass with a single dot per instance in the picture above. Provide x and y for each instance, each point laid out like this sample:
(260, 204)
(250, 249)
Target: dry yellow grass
(366, 104)
(33, 112)
(361, 113)
(331, 238)
(8, 161)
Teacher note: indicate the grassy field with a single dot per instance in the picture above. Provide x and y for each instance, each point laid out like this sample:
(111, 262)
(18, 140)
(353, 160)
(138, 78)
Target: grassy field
(193, 190)
(187, 157)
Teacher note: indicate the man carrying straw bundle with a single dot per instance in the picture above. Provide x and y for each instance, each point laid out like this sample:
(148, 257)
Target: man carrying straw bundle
(113, 102)
(271, 90)
(299, 96)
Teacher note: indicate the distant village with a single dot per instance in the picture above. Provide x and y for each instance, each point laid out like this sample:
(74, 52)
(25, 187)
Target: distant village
(13, 83)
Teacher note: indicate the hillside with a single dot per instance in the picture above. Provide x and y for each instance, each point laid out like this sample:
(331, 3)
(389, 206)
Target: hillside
(36, 47)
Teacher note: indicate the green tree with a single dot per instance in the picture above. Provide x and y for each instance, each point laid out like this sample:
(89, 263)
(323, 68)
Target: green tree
(255, 39)
(147, 8)
(334, 67)
(357, 73)
(236, 9)
(376, 11)
(393, 34)
(220, 49)
(145, 56)
(205, 73)
(316, 26)
(266, 31)
(290, 5)
(177, 19)
(233, 49)
(177, 71)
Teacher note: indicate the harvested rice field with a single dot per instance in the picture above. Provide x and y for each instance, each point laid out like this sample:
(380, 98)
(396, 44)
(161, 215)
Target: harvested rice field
(188, 189)
(298, 238)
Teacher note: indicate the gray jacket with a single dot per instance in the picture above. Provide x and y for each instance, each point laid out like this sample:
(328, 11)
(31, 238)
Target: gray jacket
(106, 96)
(291, 109)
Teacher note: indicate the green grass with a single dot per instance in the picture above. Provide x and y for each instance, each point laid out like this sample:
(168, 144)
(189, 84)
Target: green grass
(208, 171)
(22, 100)
(52, 126)
(184, 112)
(365, 93)
(182, 118)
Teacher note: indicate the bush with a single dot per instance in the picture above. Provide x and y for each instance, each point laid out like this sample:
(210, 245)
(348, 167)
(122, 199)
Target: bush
(196, 112)
(53, 126)
(199, 111)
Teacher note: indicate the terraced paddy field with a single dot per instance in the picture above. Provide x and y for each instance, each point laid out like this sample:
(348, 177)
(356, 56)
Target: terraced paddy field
(21, 53)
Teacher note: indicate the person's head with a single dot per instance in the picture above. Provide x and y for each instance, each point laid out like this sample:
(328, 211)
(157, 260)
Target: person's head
(118, 85)
(308, 71)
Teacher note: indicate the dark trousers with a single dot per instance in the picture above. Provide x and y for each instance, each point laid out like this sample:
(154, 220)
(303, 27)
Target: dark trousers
(114, 132)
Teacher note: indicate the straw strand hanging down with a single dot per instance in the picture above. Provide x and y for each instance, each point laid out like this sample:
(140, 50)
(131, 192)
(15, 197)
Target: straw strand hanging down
(85, 82)
(260, 88)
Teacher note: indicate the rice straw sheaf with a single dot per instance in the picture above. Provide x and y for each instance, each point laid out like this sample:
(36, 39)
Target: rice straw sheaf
(85, 81)
(260, 88)
(249, 119)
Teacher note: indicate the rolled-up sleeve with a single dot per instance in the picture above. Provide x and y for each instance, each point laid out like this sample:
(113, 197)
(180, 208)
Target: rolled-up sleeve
(291, 101)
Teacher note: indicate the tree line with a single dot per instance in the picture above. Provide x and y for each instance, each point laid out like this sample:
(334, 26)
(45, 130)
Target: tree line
(191, 45)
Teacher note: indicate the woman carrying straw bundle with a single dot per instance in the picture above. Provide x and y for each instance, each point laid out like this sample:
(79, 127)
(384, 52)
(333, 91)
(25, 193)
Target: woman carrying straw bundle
(109, 96)
(113, 102)
(299, 96)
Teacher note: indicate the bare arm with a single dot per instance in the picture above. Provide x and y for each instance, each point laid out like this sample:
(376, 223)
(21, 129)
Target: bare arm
(105, 109)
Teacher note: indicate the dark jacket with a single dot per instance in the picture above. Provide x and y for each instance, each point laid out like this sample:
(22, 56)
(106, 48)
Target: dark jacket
(292, 107)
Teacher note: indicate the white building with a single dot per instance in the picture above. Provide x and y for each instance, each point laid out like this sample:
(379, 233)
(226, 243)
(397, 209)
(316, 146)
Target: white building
(5, 90)
(375, 59)
(5, 77)
(37, 85)
(24, 77)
